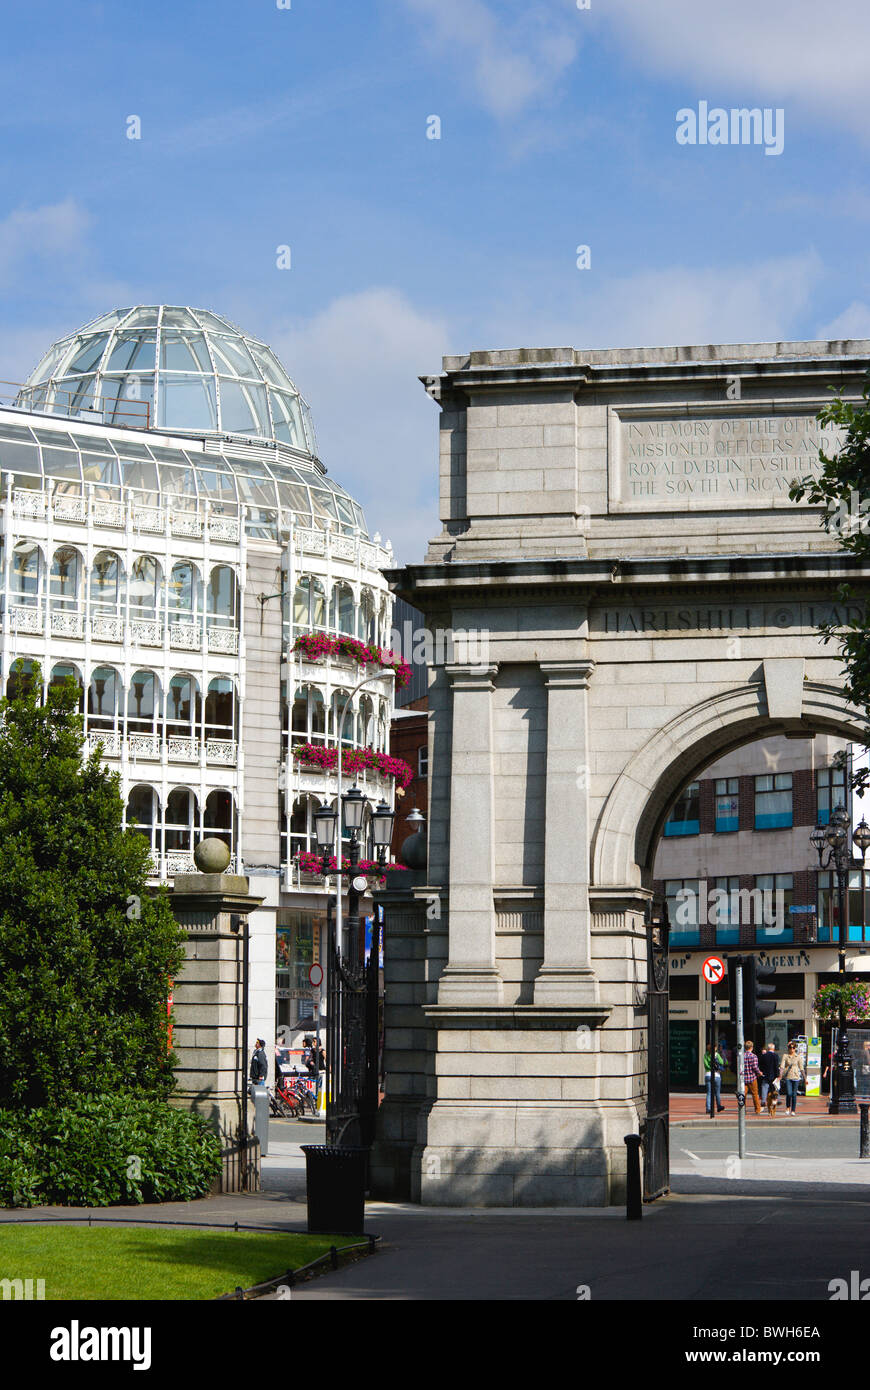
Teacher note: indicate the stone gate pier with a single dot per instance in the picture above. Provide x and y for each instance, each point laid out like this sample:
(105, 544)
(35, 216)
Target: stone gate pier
(617, 527)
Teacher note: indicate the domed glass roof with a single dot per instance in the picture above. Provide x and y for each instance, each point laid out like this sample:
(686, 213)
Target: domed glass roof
(179, 369)
(197, 412)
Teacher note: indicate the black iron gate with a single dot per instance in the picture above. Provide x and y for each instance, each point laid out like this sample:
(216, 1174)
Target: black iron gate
(351, 1041)
(656, 1157)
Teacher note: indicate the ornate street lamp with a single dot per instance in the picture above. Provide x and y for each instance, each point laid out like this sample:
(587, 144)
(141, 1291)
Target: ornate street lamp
(324, 825)
(831, 843)
(382, 830)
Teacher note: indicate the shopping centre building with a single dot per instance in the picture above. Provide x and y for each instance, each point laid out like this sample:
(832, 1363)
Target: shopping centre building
(169, 533)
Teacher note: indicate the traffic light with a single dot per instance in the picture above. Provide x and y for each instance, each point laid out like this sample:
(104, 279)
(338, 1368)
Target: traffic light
(758, 989)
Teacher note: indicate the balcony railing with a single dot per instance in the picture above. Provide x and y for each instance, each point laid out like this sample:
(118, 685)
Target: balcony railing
(150, 748)
(110, 627)
(33, 504)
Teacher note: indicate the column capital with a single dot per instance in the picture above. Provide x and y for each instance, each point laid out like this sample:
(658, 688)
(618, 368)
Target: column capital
(464, 677)
(567, 674)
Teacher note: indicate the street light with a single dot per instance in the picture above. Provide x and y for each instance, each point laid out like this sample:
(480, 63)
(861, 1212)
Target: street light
(831, 843)
(324, 826)
(382, 830)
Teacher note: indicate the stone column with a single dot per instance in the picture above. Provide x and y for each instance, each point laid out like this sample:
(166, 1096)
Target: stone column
(566, 977)
(212, 1053)
(470, 976)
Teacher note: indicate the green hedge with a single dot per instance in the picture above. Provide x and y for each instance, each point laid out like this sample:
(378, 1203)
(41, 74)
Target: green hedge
(103, 1150)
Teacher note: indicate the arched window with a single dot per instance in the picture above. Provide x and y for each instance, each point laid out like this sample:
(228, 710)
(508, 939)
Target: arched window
(367, 624)
(385, 626)
(66, 578)
(221, 709)
(308, 721)
(20, 678)
(143, 808)
(219, 819)
(143, 703)
(107, 589)
(365, 722)
(223, 597)
(103, 702)
(342, 616)
(303, 835)
(144, 588)
(309, 603)
(62, 672)
(336, 712)
(180, 820)
(185, 592)
(183, 707)
(383, 729)
(27, 570)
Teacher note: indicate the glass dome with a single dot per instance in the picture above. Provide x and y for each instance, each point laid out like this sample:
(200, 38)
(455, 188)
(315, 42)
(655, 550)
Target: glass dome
(179, 369)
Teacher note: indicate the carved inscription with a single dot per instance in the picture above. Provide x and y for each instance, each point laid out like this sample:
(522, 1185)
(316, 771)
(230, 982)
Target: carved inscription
(726, 461)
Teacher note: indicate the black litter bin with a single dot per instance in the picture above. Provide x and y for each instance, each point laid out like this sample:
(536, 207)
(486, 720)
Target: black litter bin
(336, 1183)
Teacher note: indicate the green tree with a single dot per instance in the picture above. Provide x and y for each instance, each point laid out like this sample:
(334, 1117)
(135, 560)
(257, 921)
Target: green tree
(843, 489)
(86, 952)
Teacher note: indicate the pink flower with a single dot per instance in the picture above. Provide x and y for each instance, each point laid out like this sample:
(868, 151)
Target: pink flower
(317, 644)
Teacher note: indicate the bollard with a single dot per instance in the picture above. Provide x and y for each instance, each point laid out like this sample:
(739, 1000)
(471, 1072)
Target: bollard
(260, 1096)
(633, 1194)
(864, 1132)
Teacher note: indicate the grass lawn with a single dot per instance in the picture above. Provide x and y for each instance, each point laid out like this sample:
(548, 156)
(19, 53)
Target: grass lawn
(117, 1262)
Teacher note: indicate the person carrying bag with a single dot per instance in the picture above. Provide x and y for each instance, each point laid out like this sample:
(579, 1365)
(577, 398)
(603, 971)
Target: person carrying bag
(790, 1074)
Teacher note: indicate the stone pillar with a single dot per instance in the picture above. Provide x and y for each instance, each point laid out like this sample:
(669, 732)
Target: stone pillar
(565, 976)
(415, 943)
(212, 1053)
(471, 976)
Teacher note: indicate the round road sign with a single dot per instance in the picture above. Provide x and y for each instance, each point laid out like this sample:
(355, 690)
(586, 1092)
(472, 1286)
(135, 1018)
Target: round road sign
(315, 976)
(713, 970)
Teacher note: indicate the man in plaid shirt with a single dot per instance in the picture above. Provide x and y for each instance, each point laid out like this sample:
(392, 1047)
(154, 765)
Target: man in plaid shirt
(751, 1073)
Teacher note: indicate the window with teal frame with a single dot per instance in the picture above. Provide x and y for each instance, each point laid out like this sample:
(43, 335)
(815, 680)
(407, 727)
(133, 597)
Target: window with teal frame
(830, 792)
(727, 911)
(681, 895)
(727, 805)
(685, 816)
(773, 801)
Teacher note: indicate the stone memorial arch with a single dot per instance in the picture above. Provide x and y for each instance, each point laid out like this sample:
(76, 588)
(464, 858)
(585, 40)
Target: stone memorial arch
(622, 592)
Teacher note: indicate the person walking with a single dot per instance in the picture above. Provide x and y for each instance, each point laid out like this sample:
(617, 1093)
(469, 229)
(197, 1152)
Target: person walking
(751, 1074)
(791, 1072)
(769, 1066)
(720, 1066)
(259, 1064)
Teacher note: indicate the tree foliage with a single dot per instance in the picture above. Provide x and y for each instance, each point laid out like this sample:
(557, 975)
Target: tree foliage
(86, 953)
(843, 489)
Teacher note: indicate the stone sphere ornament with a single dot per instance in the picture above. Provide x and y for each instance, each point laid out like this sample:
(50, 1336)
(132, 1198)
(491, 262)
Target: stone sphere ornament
(211, 856)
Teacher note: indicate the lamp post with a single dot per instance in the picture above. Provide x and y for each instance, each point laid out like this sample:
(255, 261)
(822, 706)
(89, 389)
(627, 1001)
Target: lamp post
(831, 843)
(352, 1062)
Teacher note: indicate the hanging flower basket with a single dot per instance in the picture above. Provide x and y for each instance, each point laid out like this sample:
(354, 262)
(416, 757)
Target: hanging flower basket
(856, 1002)
(315, 645)
(354, 760)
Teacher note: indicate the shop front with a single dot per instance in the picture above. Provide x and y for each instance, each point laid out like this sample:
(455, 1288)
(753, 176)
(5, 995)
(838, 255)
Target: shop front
(799, 972)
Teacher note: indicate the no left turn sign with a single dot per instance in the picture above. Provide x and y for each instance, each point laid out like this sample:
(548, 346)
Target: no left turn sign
(713, 970)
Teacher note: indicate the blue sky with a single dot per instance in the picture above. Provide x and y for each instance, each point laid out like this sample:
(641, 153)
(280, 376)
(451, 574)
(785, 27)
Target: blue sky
(306, 126)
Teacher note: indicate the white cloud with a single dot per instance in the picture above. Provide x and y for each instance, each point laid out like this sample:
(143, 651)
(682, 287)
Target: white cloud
(780, 53)
(357, 363)
(514, 59)
(55, 230)
(358, 360)
(853, 322)
(760, 302)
